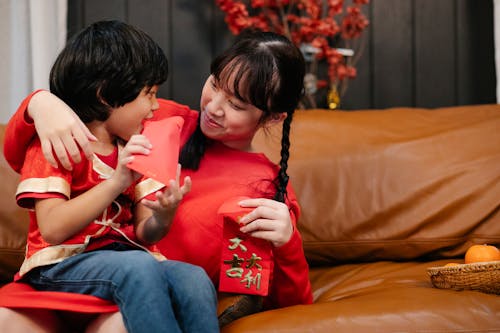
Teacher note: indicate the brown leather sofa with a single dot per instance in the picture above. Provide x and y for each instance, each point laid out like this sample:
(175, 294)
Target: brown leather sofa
(385, 194)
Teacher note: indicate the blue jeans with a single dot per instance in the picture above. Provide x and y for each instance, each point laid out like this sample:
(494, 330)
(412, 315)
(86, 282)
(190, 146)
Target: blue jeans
(153, 296)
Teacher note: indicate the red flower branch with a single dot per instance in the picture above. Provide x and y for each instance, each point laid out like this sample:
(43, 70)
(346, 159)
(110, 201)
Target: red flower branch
(307, 23)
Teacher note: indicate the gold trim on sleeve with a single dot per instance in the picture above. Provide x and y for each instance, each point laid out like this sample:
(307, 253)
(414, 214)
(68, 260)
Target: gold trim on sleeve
(44, 185)
(146, 187)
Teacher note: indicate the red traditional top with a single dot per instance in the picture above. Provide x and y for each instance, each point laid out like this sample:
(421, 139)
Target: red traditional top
(40, 180)
(196, 233)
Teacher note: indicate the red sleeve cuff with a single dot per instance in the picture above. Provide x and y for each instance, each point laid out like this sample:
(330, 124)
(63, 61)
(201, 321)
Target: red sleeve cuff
(291, 251)
(18, 134)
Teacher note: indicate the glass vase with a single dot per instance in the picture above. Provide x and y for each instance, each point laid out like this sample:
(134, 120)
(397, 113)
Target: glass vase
(333, 98)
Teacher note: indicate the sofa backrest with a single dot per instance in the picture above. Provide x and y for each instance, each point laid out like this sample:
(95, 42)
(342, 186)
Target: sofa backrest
(395, 184)
(13, 220)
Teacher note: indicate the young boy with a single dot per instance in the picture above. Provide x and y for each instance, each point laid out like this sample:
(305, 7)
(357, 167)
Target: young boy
(89, 232)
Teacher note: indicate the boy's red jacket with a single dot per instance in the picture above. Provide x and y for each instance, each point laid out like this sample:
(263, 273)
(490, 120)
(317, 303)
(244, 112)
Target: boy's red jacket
(16, 142)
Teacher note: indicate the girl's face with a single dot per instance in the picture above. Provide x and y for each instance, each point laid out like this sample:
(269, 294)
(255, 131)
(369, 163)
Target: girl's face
(126, 120)
(227, 119)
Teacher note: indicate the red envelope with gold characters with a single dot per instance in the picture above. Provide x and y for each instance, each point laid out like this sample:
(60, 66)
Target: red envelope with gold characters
(246, 261)
(161, 163)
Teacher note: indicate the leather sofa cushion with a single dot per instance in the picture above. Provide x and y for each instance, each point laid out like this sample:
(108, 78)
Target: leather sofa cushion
(395, 184)
(379, 297)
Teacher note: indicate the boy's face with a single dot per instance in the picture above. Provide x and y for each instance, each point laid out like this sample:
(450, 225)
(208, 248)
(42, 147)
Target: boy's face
(126, 120)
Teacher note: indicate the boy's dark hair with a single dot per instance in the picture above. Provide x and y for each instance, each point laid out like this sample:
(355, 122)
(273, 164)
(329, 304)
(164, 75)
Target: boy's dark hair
(106, 65)
(272, 71)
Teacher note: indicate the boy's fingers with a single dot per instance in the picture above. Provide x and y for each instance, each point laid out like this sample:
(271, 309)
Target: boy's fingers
(140, 139)
(186, 187)
(178, 173)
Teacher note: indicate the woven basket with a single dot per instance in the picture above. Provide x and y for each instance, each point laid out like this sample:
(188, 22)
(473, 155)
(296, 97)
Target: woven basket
(481, 276)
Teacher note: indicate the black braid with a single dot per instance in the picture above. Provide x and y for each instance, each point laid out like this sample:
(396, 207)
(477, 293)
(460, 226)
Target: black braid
(281, 180)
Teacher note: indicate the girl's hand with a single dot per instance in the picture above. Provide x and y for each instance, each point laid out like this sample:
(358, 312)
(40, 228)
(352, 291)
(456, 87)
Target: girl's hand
(59, 129)
(138, 144)
(270, 220)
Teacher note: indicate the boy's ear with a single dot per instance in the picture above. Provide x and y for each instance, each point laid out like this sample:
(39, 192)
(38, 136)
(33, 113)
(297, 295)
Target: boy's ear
(100, 98)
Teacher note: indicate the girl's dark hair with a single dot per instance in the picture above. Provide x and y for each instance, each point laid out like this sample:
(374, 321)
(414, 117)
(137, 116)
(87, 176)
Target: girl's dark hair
(106, 65)
(269, 75)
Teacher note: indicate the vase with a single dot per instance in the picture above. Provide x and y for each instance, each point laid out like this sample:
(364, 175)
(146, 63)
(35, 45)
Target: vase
(333, 98)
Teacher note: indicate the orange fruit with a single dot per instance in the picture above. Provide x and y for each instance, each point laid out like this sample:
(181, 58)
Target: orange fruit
(482, 253)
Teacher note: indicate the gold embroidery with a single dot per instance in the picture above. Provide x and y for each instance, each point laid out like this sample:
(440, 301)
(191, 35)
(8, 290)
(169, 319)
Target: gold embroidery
(158, 256)
(146, 187)
(57, 253)
(110, 222)
(44, 185)
(50, 255)
(101, 168)
(250, 279)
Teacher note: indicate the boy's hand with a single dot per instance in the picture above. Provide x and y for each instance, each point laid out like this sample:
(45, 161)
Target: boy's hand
(152, 228)
(138, 144)
(167, 201)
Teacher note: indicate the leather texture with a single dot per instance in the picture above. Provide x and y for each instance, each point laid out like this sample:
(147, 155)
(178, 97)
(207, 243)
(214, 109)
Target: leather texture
(384, 195)
(395, 184)
(13, 221)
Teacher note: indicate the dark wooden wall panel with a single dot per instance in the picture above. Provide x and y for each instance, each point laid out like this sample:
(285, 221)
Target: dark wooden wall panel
(465, 54)
(435, 53)
(482, 42)
(153, 17)
(476, 69)
(192, 40)
(424, 53)
(99, 9)
(221, 36)
(359, 92)
(76, 13)
(392, 49)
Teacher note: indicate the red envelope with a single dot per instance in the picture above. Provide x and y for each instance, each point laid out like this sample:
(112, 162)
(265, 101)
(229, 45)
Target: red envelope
(246, 262)
(161, 163)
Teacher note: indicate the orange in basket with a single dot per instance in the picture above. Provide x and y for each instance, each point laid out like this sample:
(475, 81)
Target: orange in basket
(482, 253)
(481, 271)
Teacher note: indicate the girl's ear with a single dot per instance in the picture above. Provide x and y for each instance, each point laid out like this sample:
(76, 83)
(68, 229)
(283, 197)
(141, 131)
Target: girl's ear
(275, 118)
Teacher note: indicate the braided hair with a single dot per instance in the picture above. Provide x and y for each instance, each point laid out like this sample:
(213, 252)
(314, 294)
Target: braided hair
(269, 75)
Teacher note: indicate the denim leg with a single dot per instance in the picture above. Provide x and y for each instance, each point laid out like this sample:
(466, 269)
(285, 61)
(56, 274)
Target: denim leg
(193, 296)
(133, 279)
